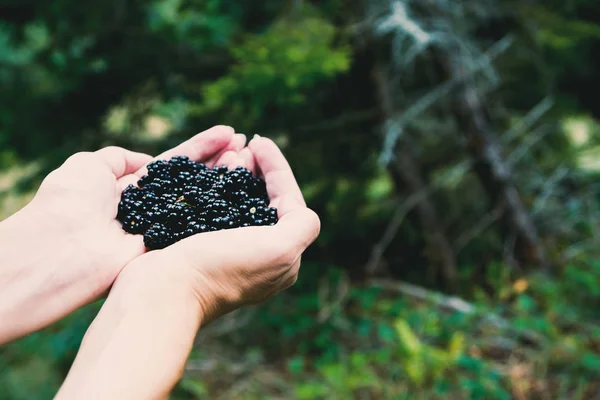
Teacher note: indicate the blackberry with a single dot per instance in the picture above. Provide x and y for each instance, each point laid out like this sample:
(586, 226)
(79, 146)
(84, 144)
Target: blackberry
(135, 223)
(180, 163)
(132, 192)
(221, 170)
(180, 198)
(159, 169)
(158, 237)
(144, 180)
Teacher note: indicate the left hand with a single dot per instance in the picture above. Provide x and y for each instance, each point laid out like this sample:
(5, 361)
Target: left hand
(65, 248)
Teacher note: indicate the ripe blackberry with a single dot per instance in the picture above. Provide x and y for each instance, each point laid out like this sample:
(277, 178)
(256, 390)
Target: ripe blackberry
(158, 237)
(135, 223)
(180, 198)
(144, 180)
(221, 170)
(159, 169)
(180, 163)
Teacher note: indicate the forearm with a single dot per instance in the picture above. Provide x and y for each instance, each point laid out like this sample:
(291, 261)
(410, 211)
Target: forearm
(35, 288)
(137, 346)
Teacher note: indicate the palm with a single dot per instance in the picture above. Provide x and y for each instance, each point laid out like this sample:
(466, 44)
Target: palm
(265, 259)
(83, 196)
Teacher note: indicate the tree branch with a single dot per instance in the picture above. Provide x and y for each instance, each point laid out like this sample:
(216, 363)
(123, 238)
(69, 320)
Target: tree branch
(456, 304)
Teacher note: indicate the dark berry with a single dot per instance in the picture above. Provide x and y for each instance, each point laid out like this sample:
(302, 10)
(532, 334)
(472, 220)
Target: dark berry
(158, 237)
(144, 180)
(180, 198)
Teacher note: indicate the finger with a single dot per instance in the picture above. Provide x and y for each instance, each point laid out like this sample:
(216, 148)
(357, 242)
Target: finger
(231, 160)
(275, 169)
(237, 141)
(303, 224)
(249, 161)
(236, 144)
(125, 181)
(286, 204)
(256, 248)
(200, 147)
(122, 161)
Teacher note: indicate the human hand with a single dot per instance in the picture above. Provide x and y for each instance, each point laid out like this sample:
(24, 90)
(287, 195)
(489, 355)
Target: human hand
(226, 269)
(79, 247)
(160, 299)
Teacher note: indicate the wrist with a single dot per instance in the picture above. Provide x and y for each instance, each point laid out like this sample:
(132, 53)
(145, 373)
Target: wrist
(148, 284)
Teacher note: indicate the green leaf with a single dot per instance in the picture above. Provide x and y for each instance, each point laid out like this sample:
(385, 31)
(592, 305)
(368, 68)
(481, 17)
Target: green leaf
(196, 388)
(408, 340)
(386, 332)
(591, 362)
(457, 345)
(296, 365)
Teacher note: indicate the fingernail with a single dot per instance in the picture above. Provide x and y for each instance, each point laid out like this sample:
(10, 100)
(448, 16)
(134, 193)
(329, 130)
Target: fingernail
(256, 136)
(241, 135)
(225, 128)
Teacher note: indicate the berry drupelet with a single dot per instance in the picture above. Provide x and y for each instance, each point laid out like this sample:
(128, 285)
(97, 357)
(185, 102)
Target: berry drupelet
(180, 198)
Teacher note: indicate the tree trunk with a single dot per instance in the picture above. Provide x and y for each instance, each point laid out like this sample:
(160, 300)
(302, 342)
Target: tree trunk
(405, 168)
(439, 249)
(491, 168)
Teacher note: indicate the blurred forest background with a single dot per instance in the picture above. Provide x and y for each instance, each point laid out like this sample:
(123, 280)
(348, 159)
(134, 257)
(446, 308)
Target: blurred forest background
(451, 148)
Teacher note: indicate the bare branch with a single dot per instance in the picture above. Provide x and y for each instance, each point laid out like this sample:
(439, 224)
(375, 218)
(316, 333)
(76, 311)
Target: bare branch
(425, 102)
(400, 214)
(484, 223)
(533, 116)
(456, 304)
(532, 139)
(392, 229)
(549, 188)
(420, 293)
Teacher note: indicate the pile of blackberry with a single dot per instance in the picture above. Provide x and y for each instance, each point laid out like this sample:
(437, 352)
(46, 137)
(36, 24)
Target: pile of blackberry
(180, 198)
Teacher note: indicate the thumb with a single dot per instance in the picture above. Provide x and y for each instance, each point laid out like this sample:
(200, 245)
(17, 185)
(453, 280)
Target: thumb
(252, 249)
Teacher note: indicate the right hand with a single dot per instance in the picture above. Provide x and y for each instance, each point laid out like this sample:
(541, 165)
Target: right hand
(226, 269)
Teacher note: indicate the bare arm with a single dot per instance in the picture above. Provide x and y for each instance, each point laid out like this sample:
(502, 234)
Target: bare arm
(138, 345)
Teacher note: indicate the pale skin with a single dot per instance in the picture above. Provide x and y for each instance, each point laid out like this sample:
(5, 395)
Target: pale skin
(65, 250)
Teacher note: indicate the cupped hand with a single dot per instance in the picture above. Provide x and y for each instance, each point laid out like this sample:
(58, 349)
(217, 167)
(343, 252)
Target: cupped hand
(230, 268)
(80, 198)
(75, 248)
(160, 299)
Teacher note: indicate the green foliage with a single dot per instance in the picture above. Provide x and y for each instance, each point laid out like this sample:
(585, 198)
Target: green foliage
(274, 69)
(34, 367)
(146, 74)
(200, 27)
(379, 344)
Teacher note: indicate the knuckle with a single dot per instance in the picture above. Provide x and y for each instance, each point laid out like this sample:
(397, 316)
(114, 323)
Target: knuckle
(79, 158)
(110, 149)
(73, 166)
